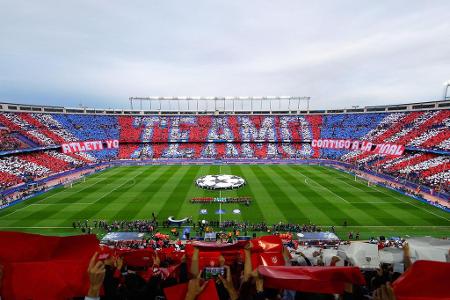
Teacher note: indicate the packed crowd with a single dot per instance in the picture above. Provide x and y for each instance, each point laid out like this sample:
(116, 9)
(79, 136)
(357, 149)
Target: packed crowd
(87, 226)
(261, 268)
(222, 137)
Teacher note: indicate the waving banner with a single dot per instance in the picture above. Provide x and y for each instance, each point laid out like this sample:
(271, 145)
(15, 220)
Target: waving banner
(89, 146)
(45, 267)
(353, 145)
(329, 280)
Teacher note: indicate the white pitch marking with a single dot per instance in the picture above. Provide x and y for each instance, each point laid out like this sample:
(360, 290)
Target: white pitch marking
(324, 187)
(410, 203)
(48, 197)
(380, 189)
(130, 180)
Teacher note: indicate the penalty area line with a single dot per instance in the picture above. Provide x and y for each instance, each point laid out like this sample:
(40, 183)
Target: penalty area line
(307, 177)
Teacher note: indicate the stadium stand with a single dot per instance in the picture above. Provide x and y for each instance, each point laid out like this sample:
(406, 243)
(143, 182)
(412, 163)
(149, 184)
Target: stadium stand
(222, 137)
(163, 265)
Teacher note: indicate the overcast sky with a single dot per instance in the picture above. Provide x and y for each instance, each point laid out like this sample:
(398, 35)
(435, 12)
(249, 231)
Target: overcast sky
(340, 53)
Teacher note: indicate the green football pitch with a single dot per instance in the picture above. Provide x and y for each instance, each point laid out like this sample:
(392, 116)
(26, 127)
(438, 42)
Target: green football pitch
(281, 193)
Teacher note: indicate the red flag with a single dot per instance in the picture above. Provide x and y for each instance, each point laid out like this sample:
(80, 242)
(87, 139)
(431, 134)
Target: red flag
(178, 292)
(424, 280)
(139, 258)
(269, 243)
(45, 267)
(327, 280)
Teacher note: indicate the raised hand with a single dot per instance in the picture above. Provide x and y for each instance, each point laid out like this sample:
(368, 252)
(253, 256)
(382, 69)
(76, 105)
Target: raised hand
(228, 283)
(248, 246)
(118, 262)
(195, 287)
(156, 260)
(384, 292)
(96, 271)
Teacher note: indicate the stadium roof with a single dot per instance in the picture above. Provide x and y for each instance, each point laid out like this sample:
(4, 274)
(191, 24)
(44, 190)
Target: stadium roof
(430, 105)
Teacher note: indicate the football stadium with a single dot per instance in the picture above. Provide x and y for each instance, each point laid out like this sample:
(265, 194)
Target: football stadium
(220, 197)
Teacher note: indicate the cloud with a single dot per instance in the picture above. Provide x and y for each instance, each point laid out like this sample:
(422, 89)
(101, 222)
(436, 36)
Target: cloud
(340, 53)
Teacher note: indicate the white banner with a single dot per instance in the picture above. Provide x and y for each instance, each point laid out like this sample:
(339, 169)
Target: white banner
(428, 248)
(89, 146)
(363, 255)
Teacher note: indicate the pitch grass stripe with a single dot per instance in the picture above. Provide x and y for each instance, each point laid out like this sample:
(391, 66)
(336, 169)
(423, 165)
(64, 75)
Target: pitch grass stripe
(211, 208)
(336, 210)
(68, 193)
(72, 212)
(226, 169)
(136, 195)
(342, 206)
(214, 169)
(321, 203)
(34, 215)
(419, 205)
(203, 193)
(162, 193)
(378, 211)
(317, 182)
(73, 194)
(110, 179)
(382, 215)
(187, 208)
(159, 175)
(252, 213)
(349, 180)
(312, 209)
(404, 200)
(18, 207)
(414, 216)
(227, 207)
(178, 194)
(125, 210)
(284, 203)
(105, 198)
(269, 209)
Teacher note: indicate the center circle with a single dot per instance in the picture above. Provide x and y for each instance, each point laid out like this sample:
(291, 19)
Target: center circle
(220, 182)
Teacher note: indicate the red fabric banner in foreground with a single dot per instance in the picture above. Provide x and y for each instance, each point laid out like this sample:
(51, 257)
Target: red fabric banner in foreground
(266, 250)
(45, 267)
(178, 292)
(326, 280)
(424, 280)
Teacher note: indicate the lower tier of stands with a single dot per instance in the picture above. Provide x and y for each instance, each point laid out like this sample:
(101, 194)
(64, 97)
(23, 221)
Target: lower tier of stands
(424, 168)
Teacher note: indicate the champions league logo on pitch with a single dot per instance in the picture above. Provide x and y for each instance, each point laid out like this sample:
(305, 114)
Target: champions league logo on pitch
(220, 182)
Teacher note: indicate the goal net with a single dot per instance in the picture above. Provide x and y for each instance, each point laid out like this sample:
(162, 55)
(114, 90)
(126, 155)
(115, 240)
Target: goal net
(71, 183)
